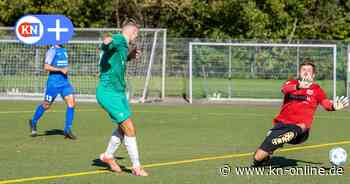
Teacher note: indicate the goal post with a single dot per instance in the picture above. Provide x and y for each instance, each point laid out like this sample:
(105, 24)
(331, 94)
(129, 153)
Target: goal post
(348, 72)
(283, 57)
(154, 52)
(23, 77)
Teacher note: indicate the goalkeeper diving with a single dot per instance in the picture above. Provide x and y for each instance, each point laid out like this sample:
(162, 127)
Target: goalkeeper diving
(292, 125)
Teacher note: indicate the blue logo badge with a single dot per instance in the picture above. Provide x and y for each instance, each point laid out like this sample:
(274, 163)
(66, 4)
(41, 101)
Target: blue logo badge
(44, 29)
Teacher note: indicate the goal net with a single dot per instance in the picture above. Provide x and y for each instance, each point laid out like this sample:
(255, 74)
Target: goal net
(254, 71)
(23, 77)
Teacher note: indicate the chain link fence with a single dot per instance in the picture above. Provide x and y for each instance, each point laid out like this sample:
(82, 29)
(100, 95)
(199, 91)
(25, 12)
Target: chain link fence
(218, 72)
(22, 74)
(257, 71)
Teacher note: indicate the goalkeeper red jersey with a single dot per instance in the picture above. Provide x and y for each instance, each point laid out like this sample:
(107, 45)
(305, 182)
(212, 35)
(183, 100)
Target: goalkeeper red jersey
(299, 105)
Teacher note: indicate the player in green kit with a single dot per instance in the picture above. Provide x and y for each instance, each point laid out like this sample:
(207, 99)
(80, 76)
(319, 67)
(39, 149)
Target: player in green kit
(110, 94)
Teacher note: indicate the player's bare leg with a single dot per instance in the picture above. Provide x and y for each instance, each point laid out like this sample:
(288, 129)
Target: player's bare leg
(260, 157)
(46, 105)
(38, 113)
(130, 143)
(70, 101)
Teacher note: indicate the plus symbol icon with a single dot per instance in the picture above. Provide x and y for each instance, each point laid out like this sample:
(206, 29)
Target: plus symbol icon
(57, 29)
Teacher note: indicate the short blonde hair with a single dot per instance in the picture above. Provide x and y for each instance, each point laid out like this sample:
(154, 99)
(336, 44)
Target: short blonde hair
(105, 35)
(130, 22)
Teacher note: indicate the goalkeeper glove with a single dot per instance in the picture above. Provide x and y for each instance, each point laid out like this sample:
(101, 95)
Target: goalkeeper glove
(340, 103)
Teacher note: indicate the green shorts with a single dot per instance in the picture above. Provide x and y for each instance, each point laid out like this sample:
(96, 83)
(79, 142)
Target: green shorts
(114, 103)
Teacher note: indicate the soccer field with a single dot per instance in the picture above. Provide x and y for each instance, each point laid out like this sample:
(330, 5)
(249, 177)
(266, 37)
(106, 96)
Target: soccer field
(178, 144)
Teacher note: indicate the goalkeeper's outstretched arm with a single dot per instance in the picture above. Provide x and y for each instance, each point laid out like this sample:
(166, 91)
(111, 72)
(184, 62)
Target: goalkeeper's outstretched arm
(338, 104)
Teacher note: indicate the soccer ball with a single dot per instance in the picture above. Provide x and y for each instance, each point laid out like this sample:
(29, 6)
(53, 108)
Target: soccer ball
(338, 156)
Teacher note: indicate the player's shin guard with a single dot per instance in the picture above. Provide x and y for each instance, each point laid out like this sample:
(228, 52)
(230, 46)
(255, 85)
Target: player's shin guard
(69, 119)
(131, 146)
(114, 142)
(37, 115)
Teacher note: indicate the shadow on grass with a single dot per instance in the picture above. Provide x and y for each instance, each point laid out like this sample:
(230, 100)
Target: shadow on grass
(52, 132)
(97, 162)
(281, 162)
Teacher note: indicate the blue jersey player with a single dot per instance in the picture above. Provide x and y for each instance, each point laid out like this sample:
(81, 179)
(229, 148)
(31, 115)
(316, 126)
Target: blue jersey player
(56, 63)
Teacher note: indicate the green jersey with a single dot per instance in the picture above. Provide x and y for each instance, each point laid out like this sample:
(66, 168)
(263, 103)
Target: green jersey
(113, 64)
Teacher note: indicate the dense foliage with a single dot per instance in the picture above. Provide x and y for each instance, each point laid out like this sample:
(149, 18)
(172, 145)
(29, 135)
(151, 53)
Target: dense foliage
(237, 19)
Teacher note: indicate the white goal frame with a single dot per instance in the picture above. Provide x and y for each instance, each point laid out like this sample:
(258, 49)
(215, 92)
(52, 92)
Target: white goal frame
(151, 59)
(191, 44)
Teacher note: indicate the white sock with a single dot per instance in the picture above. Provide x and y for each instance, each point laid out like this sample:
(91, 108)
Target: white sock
(131, 146)
(114, 143)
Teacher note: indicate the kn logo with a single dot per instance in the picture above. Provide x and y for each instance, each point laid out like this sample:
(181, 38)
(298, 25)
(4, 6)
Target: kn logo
(26, 29)
(29, 29)
(44, 29)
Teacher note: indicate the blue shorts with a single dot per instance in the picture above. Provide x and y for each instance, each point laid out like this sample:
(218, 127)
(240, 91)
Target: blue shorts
(52, 92)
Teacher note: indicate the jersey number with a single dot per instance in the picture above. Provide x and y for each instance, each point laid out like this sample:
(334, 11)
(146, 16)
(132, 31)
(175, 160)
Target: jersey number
(48, 98)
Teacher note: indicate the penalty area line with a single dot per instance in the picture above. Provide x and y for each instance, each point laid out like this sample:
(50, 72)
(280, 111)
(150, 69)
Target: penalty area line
(238, 155)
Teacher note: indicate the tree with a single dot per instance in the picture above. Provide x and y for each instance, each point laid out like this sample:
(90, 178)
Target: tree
(218, 19)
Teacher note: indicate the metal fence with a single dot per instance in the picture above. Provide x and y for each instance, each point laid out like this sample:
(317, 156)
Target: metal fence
(250, 70)
(218, 72)
(22, 74)
(224, 72)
